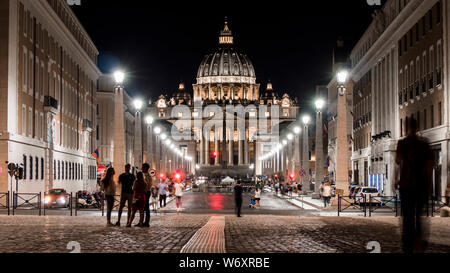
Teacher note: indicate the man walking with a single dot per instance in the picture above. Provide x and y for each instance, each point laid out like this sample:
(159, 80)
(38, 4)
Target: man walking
(148, 182)
(126, 180)
(162, 190)
(238, 197)
(415, 160)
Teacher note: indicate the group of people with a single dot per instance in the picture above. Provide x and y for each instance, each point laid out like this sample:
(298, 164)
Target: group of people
(288, 188)
(137, 192)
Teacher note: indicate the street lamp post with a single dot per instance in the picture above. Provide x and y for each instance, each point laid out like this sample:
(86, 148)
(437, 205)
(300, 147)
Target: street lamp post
(319, 166)
(149, 121)
(305, 164)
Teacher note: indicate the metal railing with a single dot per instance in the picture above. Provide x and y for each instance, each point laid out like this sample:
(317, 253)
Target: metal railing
(437, 205)
(27, 201)
(358, 203)
(384, 203)
(69, 208)
(5, 204)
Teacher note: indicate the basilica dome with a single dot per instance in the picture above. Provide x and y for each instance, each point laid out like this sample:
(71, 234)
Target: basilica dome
(226, 64)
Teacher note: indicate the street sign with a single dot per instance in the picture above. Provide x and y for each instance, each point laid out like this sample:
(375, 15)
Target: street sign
(302, 173)
(152, 173)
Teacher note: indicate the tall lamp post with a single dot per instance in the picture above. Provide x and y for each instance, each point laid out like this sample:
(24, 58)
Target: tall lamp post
(342, 137)
(157, 132)
(138, 139)
(305, 164)
(319, 166)
(149, 121)
(119, 124)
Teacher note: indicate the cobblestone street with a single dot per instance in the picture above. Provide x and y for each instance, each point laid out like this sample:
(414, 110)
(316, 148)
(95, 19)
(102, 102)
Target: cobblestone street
(249, 234)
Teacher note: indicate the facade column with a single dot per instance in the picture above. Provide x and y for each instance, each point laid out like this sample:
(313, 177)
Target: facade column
(241, 154)
(230, 150)
(246, 154)
(201, 150)
(119, 132)
(216, 148)
(207, 161)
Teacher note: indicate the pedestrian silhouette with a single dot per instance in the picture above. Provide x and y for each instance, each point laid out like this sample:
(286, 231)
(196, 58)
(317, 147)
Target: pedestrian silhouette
(415, 160)
(238, 198)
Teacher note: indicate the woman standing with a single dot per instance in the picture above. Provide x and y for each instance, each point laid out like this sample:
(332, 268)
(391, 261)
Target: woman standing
(178, 195)
(258, 197)
(138, 200)
(109, 188)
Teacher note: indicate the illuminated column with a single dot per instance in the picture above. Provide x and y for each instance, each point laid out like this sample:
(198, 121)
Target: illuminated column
(216, 147)
(230, 150)
(119, 127)
(207, 156)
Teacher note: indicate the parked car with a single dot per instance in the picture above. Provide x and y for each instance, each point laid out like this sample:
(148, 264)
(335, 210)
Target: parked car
(371, 194)
(57, 198)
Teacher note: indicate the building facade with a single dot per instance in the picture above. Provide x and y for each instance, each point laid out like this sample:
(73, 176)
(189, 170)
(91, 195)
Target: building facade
(400, 70)
(48, 81)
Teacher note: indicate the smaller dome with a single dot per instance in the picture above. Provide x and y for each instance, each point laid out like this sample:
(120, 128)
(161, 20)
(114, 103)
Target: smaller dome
(182, 96)
(269, 94)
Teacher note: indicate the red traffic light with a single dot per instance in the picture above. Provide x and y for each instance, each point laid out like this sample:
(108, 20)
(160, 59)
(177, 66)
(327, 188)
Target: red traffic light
(177, 176)
(292, 176)
(215, 154)
(162, 175)
(276, 175)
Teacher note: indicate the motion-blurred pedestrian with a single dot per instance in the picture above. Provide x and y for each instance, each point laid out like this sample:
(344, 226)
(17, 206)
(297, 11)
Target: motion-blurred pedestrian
(415, 160)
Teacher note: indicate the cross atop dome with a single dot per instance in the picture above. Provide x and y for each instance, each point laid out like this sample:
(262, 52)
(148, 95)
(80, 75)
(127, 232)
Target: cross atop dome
(226, 36)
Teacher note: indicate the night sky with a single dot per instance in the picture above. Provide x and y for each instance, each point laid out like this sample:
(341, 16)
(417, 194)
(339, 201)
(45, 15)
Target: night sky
(158, 45)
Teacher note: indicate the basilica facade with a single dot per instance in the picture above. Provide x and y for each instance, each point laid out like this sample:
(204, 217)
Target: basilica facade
(226, 123)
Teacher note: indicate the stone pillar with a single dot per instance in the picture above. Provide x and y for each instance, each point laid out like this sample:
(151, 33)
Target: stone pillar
(241, 154)
(319, 166)
(305, 159)
(342, 145)
(246, 153)
(202, 147)
(119, 132)
(206, 138)
(216, 148)
(138, 140)
(230, 150)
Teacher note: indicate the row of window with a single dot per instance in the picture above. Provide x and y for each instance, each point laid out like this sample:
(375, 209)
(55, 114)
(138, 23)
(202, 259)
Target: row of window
(433, 17)
(422, 119)
(64, 92)
(424, 75)
(33, 169)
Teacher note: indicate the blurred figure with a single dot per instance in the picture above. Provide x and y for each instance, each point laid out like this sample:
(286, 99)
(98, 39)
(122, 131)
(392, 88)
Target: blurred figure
(178, 188)
(238, 197)
(415, 160)
(258, 197)
(148, 183)
(326, 193)
(252, 203)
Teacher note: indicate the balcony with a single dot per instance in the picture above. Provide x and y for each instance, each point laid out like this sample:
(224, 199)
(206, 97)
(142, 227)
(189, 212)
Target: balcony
(51, 105)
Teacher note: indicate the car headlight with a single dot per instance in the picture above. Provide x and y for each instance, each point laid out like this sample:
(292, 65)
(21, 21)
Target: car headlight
(61, 200)
(47, 200)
